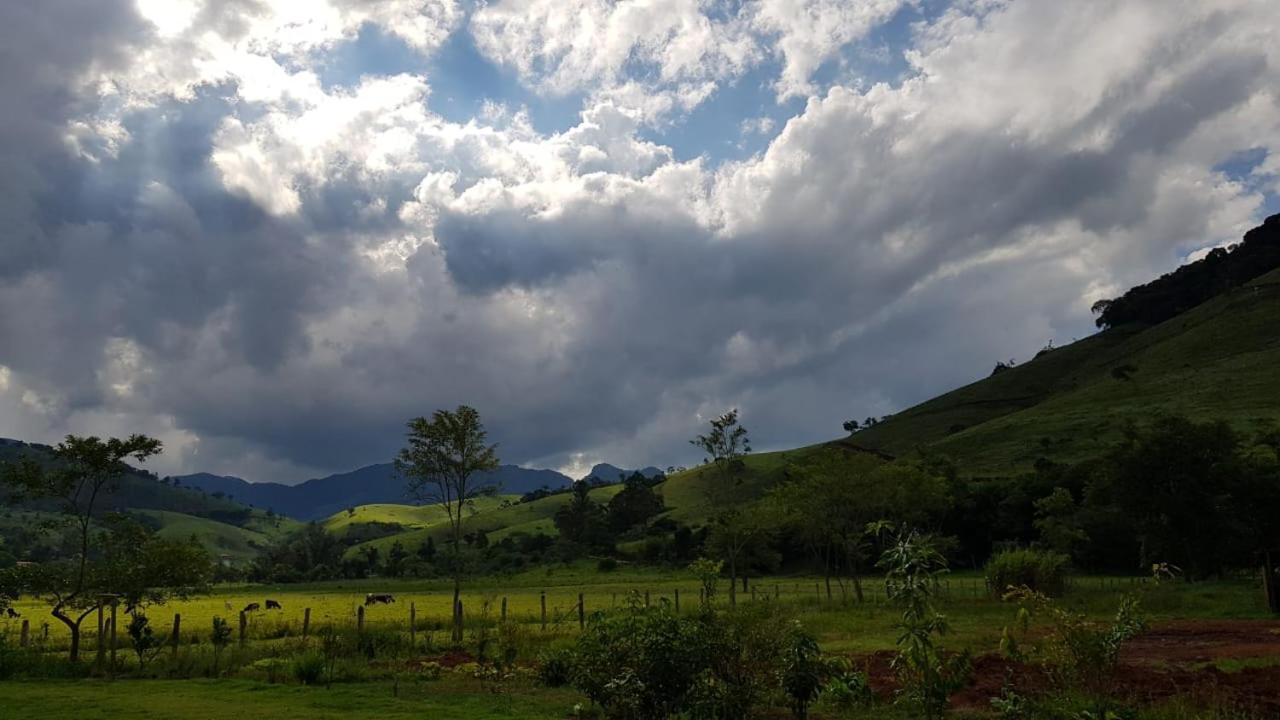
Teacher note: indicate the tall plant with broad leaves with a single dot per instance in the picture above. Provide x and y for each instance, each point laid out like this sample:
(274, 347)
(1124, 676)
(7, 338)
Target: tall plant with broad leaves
(926, 676)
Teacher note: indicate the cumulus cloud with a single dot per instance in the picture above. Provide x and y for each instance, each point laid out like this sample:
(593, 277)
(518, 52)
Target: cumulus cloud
(272, 272)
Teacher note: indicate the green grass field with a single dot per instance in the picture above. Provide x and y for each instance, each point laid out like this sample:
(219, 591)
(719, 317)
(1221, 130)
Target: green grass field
(391, 689)
(461, 699)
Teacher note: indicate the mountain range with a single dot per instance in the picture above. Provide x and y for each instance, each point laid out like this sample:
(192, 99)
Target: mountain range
(321, 497)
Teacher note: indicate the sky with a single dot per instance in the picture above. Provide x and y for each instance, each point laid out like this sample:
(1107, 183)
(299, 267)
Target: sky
(270, 232)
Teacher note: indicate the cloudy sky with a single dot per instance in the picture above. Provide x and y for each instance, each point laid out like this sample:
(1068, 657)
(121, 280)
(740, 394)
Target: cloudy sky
(269, 232)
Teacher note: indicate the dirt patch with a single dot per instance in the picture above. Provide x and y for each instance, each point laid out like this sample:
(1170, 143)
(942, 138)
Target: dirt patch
(1201, 641)
(1169, 660)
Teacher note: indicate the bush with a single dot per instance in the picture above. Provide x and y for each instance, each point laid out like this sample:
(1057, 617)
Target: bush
(607, 565)
(1041, 571)
(308, 668)
(555, 668)
(648, 662)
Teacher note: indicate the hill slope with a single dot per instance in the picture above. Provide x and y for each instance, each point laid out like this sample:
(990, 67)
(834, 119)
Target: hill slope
(1215, 361)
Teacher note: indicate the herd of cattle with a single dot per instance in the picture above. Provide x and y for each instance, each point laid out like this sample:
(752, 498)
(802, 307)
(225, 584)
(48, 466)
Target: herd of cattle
(370, 599)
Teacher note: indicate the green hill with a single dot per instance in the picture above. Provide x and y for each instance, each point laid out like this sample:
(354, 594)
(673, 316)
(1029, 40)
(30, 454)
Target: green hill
(1216, 361)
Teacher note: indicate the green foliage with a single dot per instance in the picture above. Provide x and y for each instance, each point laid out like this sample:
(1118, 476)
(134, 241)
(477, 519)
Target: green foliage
(308, 668)
(634, 505)
(1080, 654)
(846, 688)
(927, 676)
(1042, 571)
(583, 521)
(143, 639)
(648, 662)
(726, 443)
(708, 574)
(803, 671)
(555, 667)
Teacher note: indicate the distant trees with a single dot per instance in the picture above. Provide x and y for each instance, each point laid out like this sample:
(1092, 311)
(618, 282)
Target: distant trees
(445, 463)
(113, 556)
(830, 504)
(1192, 284)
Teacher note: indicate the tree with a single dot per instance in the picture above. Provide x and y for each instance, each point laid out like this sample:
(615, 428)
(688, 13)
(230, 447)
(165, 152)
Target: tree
(396, 558)
(726, 444)
(851, 426)
(80, 472)
(446, 463)
(582, 521)
(735, 533)
(427, 550)
(829, 502)
(635, 504)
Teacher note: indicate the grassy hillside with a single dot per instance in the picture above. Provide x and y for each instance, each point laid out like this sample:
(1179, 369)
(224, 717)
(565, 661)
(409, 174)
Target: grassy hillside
(218, 538)
(1216, 361)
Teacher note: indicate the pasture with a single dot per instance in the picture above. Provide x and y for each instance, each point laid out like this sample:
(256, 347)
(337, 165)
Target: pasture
(842, 624)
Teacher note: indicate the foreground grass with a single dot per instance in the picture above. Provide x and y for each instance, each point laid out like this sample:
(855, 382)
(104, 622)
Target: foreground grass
(239, 699)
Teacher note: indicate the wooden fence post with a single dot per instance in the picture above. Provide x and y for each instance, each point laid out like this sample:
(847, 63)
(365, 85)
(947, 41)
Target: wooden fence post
(360, 620)
(753, 593)
(1269, 582)
(115, 606)
(677, 601)
(26, 634)
(544, 610)
(177, 632)
(504, 608)
(413, 625)
(244, 624)
(102, 639)
(817, 590)
(582, 613)
(306, 622)
(777, 592)
(646, 598)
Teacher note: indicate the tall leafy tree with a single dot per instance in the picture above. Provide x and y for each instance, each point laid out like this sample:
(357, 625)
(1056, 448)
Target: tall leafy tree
(726, 444)
(447, 462)
(583, 521)
(111, 557)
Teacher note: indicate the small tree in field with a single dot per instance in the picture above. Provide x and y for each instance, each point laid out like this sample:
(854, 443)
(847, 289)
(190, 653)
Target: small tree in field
(726, 444)
(446, 463)
(112, 557)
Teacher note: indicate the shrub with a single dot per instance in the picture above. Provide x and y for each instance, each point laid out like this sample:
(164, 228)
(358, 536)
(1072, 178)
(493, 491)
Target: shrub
(1080, 655)
(648, 662)
(607, 565)
(555, 668)
(1041, 571)
(847, 688)
(308, 668)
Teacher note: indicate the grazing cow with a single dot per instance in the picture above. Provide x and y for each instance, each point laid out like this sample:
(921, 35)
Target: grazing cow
(12, 613)
(273, 605)
(378, 598)
(252, 607)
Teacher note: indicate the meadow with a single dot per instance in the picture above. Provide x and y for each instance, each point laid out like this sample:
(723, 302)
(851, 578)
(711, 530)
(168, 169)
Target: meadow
(390, 682)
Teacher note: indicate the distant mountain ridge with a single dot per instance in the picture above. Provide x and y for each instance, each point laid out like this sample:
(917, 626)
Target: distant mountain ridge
(612, 473)
(321, 497)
